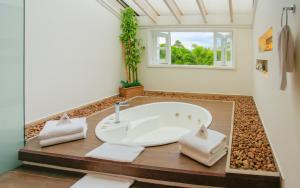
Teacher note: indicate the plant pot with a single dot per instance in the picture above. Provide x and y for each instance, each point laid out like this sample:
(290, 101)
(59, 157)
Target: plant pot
(131, 91)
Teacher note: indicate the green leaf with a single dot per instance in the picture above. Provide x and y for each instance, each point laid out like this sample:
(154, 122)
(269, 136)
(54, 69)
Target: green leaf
(132, 45)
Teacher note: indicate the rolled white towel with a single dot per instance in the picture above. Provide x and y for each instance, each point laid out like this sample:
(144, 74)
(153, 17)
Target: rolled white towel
(116, 152)
(207, 160)
(53, 129)
(63, 139)
(208, 145)
(104, 181)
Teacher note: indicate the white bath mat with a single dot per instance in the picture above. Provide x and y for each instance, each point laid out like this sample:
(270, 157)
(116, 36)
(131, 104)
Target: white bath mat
(102, 181)
(115, 152)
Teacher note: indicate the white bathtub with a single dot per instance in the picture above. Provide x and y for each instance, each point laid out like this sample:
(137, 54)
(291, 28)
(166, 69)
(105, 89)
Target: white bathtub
(153, 124)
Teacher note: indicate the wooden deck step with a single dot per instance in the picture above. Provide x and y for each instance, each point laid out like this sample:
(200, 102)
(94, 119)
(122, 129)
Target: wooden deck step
(28, 176)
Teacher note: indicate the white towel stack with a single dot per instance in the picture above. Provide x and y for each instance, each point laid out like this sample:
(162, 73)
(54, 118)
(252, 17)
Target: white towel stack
(115, 152)
(63, 130)
(102, 181)
(204, 145)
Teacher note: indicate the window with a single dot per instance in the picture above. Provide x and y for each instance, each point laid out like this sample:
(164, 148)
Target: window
(210, 49)
(223, 49)
(162, 47)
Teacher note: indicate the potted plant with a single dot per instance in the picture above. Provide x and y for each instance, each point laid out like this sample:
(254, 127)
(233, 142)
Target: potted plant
(132, 51)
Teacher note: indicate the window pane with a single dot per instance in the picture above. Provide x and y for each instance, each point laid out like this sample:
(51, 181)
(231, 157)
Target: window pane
(219, 55)
(162, 47)
(228, 49)
(192, 48)
(223, 48)
(162, 41)
(228, 56)
(162, 55)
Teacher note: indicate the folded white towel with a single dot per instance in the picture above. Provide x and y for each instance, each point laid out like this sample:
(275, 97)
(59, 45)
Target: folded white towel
(204, 159)
(53, 129)
(62, 139)
(102, 181)
(206, 145)
(115, 152)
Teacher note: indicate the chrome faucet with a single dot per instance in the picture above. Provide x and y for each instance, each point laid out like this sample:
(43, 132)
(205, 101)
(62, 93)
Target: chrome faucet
(117, 110)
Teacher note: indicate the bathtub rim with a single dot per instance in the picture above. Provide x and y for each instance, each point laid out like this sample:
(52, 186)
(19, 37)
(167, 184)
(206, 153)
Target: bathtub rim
(148, 144)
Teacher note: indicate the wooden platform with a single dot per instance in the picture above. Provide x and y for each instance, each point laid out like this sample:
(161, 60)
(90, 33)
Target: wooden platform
(31, 176)
(163, 163)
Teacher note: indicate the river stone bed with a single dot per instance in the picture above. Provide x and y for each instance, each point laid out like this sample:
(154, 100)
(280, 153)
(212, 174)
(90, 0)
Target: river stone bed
(250, 147)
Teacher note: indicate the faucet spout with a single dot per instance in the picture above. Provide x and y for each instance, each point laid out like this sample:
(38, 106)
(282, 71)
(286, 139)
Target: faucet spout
(117, 110)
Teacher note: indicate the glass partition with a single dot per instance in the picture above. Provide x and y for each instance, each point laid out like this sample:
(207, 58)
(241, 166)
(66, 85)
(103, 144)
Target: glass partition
(11, 82)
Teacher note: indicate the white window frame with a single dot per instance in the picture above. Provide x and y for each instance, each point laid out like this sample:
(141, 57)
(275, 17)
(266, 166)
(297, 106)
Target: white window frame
(223, 54)
(157, 47)
(152, 49)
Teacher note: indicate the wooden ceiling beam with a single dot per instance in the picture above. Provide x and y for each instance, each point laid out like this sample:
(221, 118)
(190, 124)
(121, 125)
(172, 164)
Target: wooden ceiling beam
(171, 4)
(201, 11)
(180, 12)
(204, 7)
(146, 9)
(230, 10)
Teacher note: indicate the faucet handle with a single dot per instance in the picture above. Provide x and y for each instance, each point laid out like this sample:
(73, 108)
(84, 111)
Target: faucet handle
(122, 103)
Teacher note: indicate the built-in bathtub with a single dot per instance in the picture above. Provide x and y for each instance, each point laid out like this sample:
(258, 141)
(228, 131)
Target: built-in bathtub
(153, 124)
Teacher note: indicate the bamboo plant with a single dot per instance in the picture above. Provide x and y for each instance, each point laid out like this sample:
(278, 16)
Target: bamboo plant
(131, 47)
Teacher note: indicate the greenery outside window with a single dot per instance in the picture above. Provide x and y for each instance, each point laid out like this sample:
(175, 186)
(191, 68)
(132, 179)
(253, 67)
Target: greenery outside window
(181, 48)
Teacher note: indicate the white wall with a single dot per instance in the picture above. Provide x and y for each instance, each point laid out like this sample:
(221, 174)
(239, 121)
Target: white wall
(279, 110)
(72, 55)
(238, 81)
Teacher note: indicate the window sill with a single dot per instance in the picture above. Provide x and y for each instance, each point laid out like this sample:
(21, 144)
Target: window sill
(192, 67)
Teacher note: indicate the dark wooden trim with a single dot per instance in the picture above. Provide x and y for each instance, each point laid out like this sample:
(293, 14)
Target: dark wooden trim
(127, 169)
(252, 181)
(125, 5)
(45, 170)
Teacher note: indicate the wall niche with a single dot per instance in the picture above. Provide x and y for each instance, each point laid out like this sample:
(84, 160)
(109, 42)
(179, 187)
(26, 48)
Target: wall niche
(262, 65)
(266, 41)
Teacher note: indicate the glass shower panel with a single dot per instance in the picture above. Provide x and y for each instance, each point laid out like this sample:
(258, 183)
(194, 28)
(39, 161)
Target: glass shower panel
(11, 82)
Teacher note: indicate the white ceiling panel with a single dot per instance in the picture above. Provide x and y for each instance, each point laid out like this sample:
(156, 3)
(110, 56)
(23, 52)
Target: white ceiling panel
(160, 7)
(217, 6)
(189, 7)
(242, 6)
